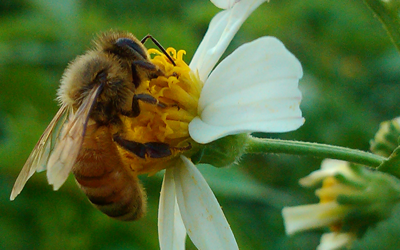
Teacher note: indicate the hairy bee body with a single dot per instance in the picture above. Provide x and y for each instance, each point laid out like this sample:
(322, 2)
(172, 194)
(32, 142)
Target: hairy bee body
(107, 182)
(97, 89)
(99, 170)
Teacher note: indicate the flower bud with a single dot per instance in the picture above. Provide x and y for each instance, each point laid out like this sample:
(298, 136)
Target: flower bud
(386, 139)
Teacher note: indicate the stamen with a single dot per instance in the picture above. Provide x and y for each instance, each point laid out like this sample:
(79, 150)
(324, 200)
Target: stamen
(179, 89)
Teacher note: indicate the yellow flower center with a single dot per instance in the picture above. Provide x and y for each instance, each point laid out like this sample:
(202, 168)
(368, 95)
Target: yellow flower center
(180, 90)
(330, 190)
(329, 193)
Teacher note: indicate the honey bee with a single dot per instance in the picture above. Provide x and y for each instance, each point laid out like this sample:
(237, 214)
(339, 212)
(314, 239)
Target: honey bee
(97, 88)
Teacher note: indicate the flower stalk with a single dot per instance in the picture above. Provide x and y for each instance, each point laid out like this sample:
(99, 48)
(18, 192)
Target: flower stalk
(262, 145)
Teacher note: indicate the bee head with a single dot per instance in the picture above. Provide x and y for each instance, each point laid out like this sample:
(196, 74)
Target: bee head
(124, 45)
(91, 70)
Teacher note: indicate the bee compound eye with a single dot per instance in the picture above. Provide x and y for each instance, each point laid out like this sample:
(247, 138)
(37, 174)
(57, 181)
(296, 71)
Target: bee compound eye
(132, 46)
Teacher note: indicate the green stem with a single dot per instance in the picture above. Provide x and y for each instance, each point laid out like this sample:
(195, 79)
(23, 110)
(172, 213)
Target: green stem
(260, 145)
(388, 12)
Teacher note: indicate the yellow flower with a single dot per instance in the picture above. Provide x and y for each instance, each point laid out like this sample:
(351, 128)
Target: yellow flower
(179, 90)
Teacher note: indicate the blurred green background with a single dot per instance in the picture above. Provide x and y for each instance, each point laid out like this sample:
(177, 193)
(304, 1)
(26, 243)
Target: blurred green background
(350, 85)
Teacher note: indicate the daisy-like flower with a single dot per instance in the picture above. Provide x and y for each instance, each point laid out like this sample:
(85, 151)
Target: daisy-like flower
(255, 89)
(352, 198)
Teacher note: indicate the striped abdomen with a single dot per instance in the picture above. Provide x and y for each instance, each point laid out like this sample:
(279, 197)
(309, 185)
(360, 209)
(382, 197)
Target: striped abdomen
(105, 180)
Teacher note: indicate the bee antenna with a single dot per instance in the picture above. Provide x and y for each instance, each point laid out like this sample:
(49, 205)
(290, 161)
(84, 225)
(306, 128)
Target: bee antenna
(159, 46)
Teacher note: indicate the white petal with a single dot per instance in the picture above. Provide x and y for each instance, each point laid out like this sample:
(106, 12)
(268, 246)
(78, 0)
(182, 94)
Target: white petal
(255, 63)
(255, 89)
(329, 167)
(312, 216)
(202, 215)
(333, 241)
(275, 100)
(224, 4)
(203, 133)
(171, 231)
(222, 29)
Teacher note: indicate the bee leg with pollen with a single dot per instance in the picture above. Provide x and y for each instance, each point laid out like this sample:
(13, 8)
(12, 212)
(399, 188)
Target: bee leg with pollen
(149, 149)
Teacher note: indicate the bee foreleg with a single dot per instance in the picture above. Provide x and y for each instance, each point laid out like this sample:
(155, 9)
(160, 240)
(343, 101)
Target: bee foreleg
(153, 69)
(149, 99)
(144, 98)
(145, 65)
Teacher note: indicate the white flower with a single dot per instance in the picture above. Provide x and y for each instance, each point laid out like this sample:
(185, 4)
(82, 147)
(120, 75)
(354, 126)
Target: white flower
(327, 213)
(329, 167)
(253, 89)
(224, 4)
(312, 216)
(332, 241)
(352, 198)
(184, 189)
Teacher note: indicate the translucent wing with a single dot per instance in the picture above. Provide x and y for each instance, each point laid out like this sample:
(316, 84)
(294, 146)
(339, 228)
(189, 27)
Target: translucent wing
(58, 147)
(65, 153)
(41, 151)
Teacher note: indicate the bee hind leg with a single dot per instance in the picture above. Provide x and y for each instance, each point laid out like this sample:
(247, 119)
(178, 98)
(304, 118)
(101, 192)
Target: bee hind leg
(149, 149)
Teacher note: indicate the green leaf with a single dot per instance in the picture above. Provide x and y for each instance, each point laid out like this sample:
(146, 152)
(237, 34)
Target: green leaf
(388, 12)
